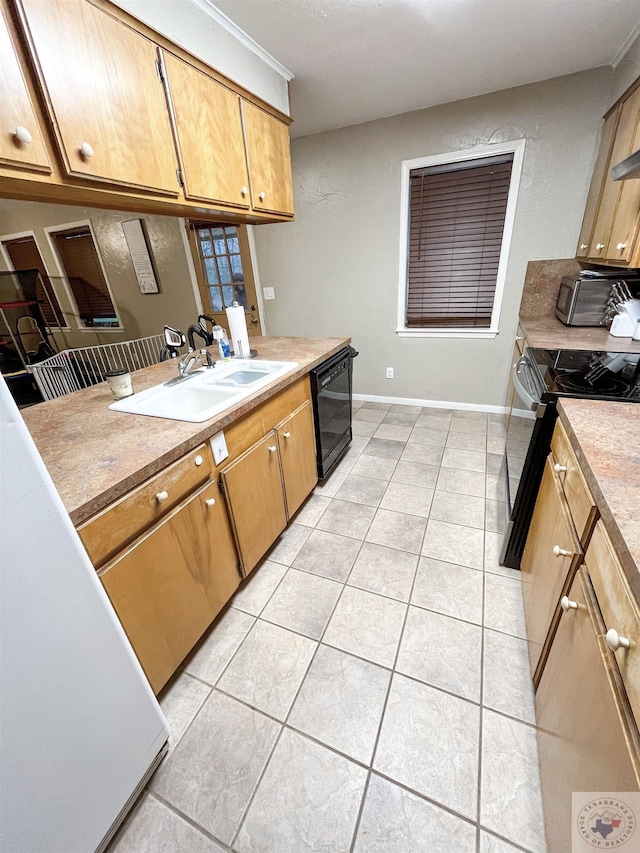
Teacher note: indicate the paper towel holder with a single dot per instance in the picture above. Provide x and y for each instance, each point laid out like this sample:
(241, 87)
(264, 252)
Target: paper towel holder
(253, 353)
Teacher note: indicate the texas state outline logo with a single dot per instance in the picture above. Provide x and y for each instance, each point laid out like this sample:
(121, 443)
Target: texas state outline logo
(604, 821)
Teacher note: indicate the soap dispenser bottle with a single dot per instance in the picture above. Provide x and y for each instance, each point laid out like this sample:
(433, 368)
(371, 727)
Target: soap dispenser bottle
(224, 348)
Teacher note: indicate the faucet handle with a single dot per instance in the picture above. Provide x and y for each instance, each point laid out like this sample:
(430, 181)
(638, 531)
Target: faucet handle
(208, 357)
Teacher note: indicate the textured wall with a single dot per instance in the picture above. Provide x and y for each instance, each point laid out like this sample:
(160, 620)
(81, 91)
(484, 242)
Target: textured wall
(140, 314)
(335, 269)
(627, 70)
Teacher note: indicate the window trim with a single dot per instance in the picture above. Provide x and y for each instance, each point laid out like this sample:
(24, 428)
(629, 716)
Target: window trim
(10, 267)
(516, 147)
(69, 226)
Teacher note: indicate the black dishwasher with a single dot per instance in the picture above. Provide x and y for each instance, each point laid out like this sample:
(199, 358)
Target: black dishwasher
(331, 395)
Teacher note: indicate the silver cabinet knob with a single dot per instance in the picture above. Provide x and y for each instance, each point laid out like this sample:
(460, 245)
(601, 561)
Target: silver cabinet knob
(162, 496)
(198, 460)
(615, 641)
(23, 135)
(210, 501)
(567, 604)
(262, 196)
(560, 552)
(86, 150)
(244, 190)
(558, 468)
(272, 448)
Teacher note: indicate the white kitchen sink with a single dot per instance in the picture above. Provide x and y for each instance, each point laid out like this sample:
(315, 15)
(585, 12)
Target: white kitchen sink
(205, 393)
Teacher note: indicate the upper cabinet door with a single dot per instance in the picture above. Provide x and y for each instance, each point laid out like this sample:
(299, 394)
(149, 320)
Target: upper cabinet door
(269, 161)
(21, 142)
(612, 189)
(595, 189)
(106, 99)
(208, 129)
(627, 218)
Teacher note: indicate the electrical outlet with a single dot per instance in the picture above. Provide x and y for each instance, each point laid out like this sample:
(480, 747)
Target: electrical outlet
(219, 447)
(269, 292)
(389, 372)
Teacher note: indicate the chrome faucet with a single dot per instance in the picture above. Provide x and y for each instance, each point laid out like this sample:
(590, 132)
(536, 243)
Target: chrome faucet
(208, 358)
(186, 364)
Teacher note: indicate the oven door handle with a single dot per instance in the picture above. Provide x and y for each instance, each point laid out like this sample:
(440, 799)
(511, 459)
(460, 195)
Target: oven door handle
(522, 370)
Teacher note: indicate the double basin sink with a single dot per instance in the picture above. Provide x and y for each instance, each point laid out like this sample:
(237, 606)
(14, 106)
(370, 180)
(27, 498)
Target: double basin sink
(205, 392)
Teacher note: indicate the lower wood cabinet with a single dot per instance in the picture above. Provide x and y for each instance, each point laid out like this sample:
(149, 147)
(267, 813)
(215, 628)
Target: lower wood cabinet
(587, 738)
(551, 554)
(253, 487)
(171, 583)
(268, 483)
(296, 442)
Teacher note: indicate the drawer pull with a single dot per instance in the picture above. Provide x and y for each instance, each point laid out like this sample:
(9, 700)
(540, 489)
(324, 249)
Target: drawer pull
(244, 190)
(23, 135)
(567, 604)
(272, 448)
(583, 246)
(286, 435)
(261, 196)
(621, 246)
(615, 641)
(599, 247)
(162, 496)
(210, 501)
(198, 460)
(86, 150)
(560, 552)
(558, 468)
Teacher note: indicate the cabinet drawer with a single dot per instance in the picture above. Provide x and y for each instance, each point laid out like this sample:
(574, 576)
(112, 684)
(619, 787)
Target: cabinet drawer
(618, 607)
(581, 504)
(118, 524)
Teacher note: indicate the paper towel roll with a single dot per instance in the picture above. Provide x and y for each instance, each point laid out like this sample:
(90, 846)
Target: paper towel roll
(238, 331)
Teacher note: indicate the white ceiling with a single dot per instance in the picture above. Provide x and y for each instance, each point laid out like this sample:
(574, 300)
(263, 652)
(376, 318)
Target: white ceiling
(357, 60)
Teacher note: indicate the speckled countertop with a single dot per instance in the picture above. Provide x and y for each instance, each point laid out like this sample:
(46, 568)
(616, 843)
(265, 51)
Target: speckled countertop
(95, 455)
(549, 333)
(605, 438)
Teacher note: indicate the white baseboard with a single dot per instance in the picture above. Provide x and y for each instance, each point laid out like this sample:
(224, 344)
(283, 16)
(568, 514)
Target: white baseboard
(435, 404)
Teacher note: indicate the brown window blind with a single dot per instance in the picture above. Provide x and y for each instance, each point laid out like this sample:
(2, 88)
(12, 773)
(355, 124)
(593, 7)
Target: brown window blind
(25, 255)
(456, 222)
(81, 264)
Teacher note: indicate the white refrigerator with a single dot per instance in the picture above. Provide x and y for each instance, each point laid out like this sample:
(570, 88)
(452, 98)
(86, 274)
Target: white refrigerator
(80, 728)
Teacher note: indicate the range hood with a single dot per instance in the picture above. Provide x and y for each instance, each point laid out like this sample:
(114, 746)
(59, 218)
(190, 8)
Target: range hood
(627, 168)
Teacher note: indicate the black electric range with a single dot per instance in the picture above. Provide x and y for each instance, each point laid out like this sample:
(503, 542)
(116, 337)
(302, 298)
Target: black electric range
(539, 379)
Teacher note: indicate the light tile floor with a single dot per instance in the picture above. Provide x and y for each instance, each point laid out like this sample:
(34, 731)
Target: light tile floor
(368, 688)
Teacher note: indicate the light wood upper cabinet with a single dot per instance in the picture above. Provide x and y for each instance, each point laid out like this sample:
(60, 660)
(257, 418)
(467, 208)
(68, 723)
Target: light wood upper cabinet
(208, 129)
(597, 181)
(269, 159)
(587, 739)
(610, 227)
(18, 117)
(253, 487)
(296, 442)
(107, 103)
(171, 583)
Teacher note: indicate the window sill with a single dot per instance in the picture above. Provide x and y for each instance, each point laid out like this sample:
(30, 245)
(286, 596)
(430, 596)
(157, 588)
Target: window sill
(449, 333)
(101, 330)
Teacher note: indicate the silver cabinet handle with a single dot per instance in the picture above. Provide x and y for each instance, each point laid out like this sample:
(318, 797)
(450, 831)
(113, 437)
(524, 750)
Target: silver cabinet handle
(521, 369)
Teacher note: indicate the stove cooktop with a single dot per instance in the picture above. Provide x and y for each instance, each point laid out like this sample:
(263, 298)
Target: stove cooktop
(588, 373)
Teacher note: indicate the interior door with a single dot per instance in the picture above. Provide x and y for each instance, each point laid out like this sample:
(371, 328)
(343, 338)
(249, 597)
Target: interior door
(222, 260)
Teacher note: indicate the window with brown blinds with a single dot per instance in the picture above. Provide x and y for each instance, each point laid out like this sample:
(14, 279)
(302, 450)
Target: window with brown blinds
(25, 255)
(79, 257)
(456, 223)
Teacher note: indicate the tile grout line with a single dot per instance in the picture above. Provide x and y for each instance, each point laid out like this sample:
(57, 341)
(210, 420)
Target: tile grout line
(188, 819)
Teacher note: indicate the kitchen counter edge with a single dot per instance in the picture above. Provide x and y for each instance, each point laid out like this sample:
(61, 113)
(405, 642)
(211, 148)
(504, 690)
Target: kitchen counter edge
(95, 455)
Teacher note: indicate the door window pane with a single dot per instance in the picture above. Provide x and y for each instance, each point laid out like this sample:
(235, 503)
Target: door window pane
(219, 249)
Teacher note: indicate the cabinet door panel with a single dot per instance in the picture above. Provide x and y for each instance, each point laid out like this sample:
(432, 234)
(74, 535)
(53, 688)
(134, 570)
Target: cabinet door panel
(253, 487)
(595, 189)
(585, 734)
(16, 110)
(296, 441)
(102, 86)
(169, 586)
(208, 126)
(269, 158)
(627, 218)
(543, 574)
(612, 189)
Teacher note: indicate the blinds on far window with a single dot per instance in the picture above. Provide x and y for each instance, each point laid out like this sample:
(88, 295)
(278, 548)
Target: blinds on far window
(456, 222)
